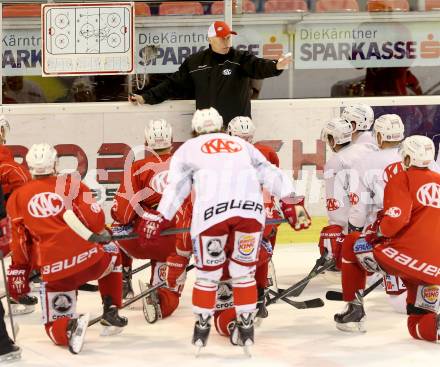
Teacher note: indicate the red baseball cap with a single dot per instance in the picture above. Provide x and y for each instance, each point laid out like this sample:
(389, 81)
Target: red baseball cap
(219, 29)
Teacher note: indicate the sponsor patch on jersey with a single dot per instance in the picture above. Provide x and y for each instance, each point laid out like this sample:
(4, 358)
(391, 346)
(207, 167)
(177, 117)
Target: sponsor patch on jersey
(45, 204)
(333, 204)
(211, 251)
(227, 72)
(354, 199)
(428, 298)
(95, 208)
(62, 302)
(246, 244)
(429, 195)
(430, 294)
(162, 272)
(224, 292)
(361, 245)
(215, 146)
(214, 247)
(394, 212)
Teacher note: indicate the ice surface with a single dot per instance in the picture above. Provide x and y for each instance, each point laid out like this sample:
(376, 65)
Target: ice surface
(289, 337)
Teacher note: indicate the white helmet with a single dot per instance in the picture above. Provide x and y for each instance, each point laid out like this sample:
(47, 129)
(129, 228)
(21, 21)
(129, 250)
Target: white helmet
(41, 159)
(390, 127)
(206, 121)
(362, 115)
(420, 150)
(4, 128)
(159, 134)
(243, 127)
(340, 129)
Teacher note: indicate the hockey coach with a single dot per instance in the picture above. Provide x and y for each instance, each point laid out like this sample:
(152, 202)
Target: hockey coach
(217, 77)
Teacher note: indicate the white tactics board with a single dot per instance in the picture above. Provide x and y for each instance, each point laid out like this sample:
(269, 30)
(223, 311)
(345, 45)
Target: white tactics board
(87, 39)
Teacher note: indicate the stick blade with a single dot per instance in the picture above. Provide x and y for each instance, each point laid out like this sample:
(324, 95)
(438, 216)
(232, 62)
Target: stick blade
(333, 296)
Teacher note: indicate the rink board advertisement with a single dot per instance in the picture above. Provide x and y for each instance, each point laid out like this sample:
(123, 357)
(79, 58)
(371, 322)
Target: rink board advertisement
(22, 47)
(368, 44)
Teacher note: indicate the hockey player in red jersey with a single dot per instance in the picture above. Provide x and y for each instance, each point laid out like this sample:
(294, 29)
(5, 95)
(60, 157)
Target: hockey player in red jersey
(228, 216)
(58, 219)
(404, 242)
(12, 176)
(141, 190)
(243, 127)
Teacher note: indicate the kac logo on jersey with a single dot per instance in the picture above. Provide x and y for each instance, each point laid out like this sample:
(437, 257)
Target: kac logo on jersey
(354, 199)
(214, 146)
(429, 195)
(45, 204)
(159, 181)
(394, 212)
(391, 170)
(227, 72)
(95, 208)
(162, 272)
(332, 204)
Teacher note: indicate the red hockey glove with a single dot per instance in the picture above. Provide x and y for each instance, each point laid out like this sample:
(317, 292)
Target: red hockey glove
(18, 280)
(151, 224)
(330, 242)
(372, 232)
(176, 270)
(5, 235)
(295, 213)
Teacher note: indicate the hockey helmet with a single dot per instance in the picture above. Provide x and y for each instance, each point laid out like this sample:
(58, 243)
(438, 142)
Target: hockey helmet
(420, 150)
(206, 121)
(390, 127)
(361, 114)
(42, 159)
(4, 128)
(243, 127)
(338, 128)
(159, 134)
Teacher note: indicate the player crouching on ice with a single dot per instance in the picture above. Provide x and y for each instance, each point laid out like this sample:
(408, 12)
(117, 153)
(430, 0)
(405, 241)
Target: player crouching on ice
(228, 216)
(142, 188)
(404, 242)
(44, 214)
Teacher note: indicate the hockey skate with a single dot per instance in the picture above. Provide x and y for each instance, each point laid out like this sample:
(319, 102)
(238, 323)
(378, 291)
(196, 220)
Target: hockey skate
(76, 331)
(150, 304)
(112, 322)
(243, 332)
(262, 312)
(9, 351)
(352, 318)
(24, 305)
(127, 288)
(202, 327)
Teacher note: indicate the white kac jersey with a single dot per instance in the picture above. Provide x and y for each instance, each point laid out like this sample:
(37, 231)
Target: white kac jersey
(375, 171)
(340, 174)
(226, 173)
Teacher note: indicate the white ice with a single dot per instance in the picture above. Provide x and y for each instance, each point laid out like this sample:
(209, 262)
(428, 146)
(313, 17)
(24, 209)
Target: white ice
(288, 337)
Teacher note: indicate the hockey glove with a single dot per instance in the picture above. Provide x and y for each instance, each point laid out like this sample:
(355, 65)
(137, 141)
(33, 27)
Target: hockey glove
(295, 213)
(151, 224)
(176, 270)
(330, 242)
(103, 237)
(5, 235)
(18, 281)
(372, 232)
(364, 254)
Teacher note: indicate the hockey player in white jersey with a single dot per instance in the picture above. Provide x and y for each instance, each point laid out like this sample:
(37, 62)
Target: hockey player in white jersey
(341, 179)
(226, 174)
(375, 172)
(361, 116)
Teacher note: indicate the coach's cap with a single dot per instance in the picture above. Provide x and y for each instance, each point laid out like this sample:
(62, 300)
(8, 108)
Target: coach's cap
(219, 29)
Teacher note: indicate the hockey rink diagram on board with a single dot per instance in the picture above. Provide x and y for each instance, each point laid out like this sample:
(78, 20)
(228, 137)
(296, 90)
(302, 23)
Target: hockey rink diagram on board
(87, 39)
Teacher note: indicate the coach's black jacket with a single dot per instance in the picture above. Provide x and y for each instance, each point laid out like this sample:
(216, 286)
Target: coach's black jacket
(215, 80)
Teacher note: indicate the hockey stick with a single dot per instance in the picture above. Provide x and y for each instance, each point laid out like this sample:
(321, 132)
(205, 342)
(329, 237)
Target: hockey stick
(138, 297)
(310, 303)
(286, 293)
(172, 231)
(7, 295)
(299, 290)
(338, 296)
